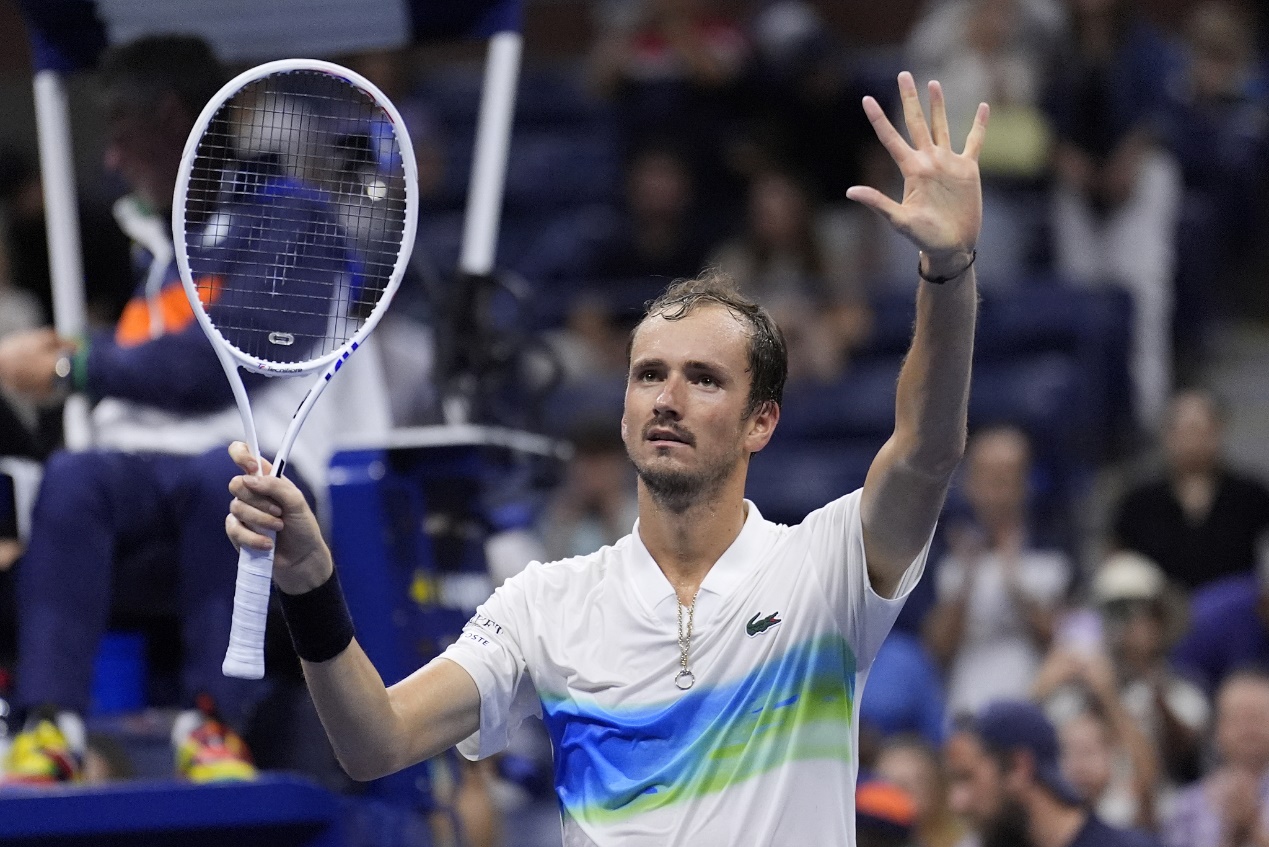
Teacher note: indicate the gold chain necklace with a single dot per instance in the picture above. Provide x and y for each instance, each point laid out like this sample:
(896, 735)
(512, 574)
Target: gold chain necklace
(684, 679)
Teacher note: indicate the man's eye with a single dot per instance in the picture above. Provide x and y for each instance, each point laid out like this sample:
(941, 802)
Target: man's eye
(706, 380)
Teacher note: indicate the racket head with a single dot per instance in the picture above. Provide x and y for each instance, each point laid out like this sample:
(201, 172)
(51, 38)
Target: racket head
(294, 214)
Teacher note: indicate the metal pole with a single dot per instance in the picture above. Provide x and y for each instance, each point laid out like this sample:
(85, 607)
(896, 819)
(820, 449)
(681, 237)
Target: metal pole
(61, 215)
(489, 160)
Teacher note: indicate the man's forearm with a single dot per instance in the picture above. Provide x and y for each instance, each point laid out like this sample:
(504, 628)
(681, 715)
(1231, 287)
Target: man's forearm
(932, 397)
(908, 480)
(376, 731)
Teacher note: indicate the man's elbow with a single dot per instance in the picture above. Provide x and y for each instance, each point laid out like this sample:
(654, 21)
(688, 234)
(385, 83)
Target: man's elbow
(931, 455)
(938, 459)
(936, 464)
(365, 768)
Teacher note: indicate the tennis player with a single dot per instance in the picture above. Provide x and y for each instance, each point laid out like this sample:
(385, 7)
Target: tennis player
(700, 679)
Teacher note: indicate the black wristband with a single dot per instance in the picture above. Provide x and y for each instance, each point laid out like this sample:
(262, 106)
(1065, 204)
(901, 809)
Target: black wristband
(939, 280)
(320, 625)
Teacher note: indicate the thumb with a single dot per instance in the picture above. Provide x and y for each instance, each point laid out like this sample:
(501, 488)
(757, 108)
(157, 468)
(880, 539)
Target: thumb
(246, 460)
(875, 200)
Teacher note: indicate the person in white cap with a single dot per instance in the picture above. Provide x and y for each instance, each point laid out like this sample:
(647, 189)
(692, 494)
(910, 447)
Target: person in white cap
(1124, 677)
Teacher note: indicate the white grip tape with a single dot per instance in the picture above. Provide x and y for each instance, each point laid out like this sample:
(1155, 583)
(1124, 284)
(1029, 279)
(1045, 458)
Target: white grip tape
(245, 657)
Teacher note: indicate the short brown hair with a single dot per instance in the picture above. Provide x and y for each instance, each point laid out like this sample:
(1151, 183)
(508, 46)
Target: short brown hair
(768, 355)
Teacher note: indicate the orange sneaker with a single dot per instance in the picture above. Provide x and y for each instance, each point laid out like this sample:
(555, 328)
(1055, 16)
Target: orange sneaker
(209, 751)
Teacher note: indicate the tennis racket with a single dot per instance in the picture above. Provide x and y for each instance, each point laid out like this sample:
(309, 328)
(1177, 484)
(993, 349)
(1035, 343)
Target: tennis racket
(293, 219)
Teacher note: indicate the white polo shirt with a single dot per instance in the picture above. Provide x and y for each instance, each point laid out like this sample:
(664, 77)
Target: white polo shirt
(760, 751)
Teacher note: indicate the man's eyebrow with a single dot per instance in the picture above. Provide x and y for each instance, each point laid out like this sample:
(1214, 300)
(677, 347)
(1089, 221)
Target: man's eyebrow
(712, 367)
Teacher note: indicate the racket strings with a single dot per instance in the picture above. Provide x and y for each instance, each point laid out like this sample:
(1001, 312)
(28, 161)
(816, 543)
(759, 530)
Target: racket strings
(301, 190)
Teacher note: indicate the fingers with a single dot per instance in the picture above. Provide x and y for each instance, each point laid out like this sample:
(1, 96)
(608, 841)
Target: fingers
(257, 512)
(275, 495)
(938, 116)
(978, 132)
(886, 133)
(243, 536)
(913, 113)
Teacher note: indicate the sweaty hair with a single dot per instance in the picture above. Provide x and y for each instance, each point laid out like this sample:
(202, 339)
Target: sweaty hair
(768, 355)
(136, 75)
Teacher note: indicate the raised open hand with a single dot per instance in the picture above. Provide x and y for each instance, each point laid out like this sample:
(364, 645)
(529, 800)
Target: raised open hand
(942, 208)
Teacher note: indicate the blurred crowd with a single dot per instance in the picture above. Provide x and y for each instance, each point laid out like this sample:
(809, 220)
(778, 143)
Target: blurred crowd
(1121, 156)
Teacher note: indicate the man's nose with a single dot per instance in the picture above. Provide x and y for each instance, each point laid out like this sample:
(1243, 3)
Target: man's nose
(667, 402)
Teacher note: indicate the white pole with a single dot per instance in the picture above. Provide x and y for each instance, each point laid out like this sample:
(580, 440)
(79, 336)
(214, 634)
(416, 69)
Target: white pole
(57, 170)
(489, 160)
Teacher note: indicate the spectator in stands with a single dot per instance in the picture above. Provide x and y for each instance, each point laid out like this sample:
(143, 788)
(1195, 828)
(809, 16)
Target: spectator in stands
(884, 815)
(1118, 194)
(595, 506)
(904, 694)
(1199, 519)
(655, 238)
(676, 71)
(1217, 127)
(157, 476)
(104, 248)
(1229, 627)
(1155, 716)
(911, 763)
(1007, 783)
(1126, 794)
(1100, 769)
(94, 503)
(790, 262)
(1230, 806)
(658, 238)
(806, 111)
(998, 596)
(1004, 52)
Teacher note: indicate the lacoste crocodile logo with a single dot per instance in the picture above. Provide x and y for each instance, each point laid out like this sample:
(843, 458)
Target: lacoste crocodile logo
(756, 626)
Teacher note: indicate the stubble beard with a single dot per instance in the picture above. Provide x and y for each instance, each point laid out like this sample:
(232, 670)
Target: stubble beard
(678, 490)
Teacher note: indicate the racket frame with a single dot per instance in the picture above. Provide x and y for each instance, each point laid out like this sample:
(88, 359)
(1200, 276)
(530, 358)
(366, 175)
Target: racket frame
(245, 655)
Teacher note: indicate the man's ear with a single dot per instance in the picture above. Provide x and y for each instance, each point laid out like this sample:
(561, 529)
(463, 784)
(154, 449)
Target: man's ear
(762, 425)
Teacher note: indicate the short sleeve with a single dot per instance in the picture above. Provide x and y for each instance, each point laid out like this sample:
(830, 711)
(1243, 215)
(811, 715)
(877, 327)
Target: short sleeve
(836, 556)
(489, 650)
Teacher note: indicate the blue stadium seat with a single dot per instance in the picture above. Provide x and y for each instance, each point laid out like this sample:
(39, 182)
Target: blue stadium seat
(861, 403)
(1040, 394)
(583, 401)
(545, 95)
(790, 479)
(1042, 317)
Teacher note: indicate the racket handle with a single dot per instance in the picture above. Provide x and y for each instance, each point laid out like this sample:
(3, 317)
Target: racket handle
(245, 657)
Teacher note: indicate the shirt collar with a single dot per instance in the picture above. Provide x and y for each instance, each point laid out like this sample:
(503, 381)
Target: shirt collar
(731, 567)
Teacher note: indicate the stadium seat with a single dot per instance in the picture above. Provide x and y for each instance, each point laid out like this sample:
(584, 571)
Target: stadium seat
(861, 403)
(790, 479)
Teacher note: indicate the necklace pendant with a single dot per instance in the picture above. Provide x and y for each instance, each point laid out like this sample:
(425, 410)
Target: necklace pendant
(685, 679)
